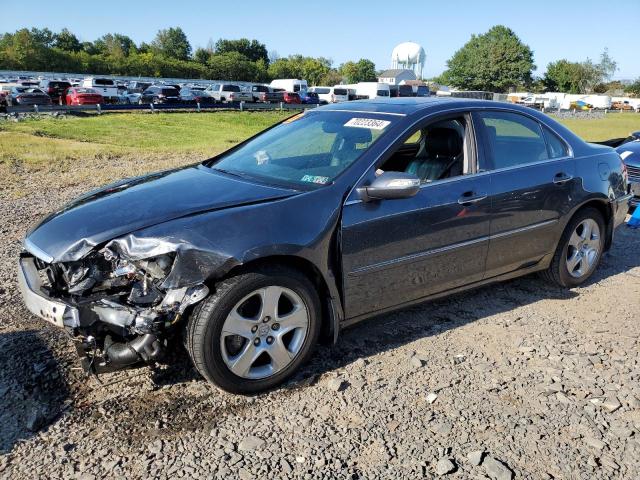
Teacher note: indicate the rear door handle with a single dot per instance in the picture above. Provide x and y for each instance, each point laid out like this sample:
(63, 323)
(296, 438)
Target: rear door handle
(562, 178)
(469, 198)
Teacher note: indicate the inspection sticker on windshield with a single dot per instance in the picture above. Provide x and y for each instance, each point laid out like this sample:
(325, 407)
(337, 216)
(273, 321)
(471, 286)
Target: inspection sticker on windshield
(315, 179)
(370, 123)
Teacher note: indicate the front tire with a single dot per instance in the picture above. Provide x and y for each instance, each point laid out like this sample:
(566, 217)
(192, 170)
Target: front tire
(255, 330)
(579, 250)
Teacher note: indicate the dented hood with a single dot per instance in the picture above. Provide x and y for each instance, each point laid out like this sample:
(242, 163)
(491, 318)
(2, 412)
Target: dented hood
(140, 202)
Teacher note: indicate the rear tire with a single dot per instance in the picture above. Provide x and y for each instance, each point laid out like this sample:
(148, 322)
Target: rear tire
(579, 251)
(236, 346)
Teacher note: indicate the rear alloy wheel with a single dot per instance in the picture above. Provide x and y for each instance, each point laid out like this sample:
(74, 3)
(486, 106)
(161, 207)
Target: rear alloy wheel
(579, 251)
(255, 330)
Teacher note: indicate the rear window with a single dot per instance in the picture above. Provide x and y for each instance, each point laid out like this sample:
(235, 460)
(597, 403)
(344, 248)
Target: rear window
(103, 81)
(85, 90)
(321, 90)
(339, 91)
(231, 88)
(383, 93)
(170, 92)
(59, 84)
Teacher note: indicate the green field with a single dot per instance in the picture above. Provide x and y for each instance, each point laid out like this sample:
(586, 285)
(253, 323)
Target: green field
(91, 150)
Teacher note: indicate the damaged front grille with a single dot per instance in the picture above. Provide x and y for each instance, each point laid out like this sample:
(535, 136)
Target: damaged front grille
(126, 296)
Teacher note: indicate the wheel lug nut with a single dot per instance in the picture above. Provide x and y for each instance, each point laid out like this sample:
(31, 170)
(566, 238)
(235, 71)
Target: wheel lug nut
(256, 342)
(254, 329)
(275, 326)
(266, 319)
(269, 340)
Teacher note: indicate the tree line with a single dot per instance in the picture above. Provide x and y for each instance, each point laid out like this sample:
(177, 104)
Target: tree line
(499, 61)
(169, 54)
(496, 61)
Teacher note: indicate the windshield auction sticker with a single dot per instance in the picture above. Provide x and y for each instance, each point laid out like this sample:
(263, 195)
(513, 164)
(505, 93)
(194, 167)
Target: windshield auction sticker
(370, 123)
(315, 179)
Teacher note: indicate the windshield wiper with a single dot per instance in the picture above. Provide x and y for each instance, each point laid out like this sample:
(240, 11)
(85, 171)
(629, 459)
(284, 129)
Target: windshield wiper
(228, 172)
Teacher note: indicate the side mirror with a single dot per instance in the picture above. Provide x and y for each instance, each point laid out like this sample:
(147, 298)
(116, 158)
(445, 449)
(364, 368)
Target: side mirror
(390, 185)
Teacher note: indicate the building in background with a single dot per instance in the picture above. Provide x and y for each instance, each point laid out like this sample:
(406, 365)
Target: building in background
(396, 76)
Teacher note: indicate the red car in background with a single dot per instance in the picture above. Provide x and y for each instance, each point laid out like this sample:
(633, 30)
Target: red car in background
(291, 97)
(82, 96)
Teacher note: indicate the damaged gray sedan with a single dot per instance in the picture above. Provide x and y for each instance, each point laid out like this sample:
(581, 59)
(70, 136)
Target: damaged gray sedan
(325, 219)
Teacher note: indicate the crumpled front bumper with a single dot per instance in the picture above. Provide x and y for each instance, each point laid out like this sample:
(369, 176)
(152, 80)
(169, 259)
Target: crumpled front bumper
(38, 302)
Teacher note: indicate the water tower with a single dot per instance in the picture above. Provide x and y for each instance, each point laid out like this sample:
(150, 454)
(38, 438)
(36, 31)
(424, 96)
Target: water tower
(409, 55)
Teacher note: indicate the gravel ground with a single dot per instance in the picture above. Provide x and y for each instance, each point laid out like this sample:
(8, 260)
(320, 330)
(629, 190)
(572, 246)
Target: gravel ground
(516, 380)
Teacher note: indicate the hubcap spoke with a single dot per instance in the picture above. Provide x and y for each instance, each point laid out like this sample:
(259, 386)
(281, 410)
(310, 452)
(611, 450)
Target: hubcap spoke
(296, 319)
(241, 363)
(238, 325)
(573, 261)
(270, 297)
(280, 356)
(586, 230)
(575, 240)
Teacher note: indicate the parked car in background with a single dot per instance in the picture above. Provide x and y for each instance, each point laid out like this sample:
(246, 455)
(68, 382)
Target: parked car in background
(580, 105)
(370, 90)
(55, 89)
(227, 92)
(190, 95)
(137, 86)
(308, 97)
(331, 94)
(291, 97)
(629, 151)
(21, 96)
(257, 91)
(622, 105)
(159, 95)
(105, 87)
(289, 84)
(82, 96)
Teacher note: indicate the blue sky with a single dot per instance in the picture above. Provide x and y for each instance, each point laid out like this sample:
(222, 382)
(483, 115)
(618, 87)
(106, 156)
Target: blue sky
(346, 30)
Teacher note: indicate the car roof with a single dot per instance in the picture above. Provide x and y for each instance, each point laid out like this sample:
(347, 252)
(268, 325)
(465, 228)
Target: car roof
(411, 105)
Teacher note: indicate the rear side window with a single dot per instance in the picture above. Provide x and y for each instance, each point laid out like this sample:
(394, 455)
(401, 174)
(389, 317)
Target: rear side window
(556, 147)
(512, 139)
(231, 88)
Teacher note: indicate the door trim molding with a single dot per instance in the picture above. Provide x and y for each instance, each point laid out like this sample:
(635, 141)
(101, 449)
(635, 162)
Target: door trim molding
(375, 267)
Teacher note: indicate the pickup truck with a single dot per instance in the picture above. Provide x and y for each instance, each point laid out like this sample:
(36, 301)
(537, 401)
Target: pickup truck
(225, 92)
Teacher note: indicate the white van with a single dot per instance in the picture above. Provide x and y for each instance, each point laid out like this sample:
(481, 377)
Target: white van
(336, 94)
(371, 90)
(289, 84)
(105, 87)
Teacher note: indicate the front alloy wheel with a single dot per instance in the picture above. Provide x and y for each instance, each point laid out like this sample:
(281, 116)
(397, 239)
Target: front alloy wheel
(255, 329)
(264, 332)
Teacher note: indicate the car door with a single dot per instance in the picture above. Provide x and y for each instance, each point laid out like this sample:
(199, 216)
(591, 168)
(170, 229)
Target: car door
(532, 179)
(399, 251)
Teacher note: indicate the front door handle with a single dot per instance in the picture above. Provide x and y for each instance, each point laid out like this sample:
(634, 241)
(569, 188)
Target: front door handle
(469, 198)
(562, 178)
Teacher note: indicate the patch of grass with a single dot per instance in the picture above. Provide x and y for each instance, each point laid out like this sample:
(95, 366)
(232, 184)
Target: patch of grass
(97, 149)
(613, 125)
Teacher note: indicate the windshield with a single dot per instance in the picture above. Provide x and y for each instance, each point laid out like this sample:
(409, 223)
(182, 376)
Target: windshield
(307, 149)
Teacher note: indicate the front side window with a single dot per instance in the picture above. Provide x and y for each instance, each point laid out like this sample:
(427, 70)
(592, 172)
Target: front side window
(512, 139)
(307, 149)
(435, 152)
